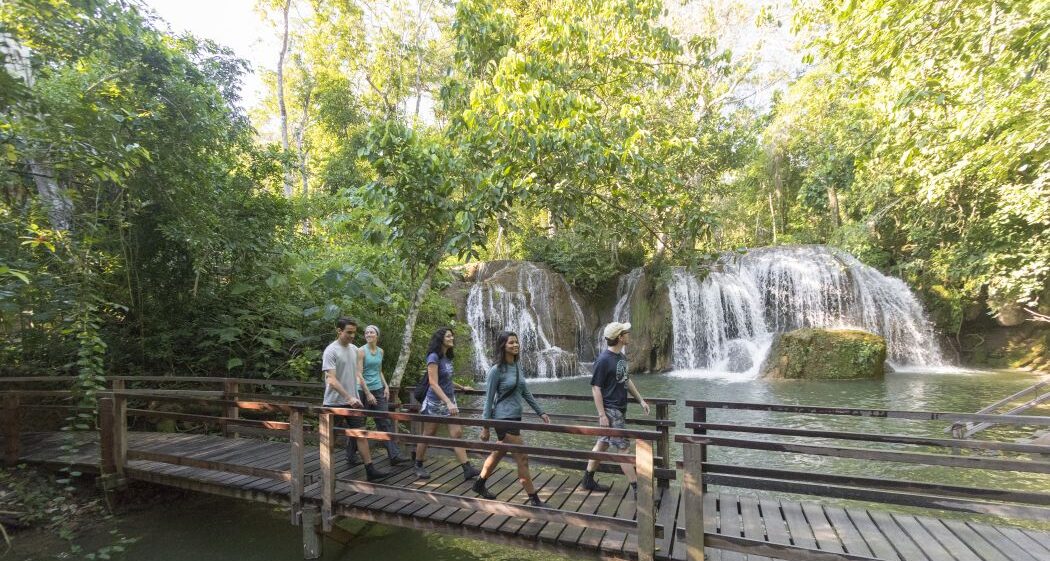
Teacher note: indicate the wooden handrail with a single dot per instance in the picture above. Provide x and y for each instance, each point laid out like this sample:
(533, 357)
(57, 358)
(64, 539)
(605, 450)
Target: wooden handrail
(880, 413)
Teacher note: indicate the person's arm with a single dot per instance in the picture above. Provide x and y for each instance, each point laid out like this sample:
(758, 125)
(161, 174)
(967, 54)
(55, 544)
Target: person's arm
(638, 396)
(332, 380)
(492, 379)
(361, 376)
(599, 404)
(523, 390)
(432, 379)
(386, 387)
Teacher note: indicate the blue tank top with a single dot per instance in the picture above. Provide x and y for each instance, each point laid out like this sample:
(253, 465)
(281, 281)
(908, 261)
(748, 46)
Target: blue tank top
(373, 365)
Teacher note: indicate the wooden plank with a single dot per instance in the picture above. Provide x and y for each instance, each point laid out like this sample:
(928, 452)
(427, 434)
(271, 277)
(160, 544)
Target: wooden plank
(568, 489)
(922, 538)
(1042, 537)
(667, 517)
(614, 542)
(571, 534)
(801, 533)
(449, 474)
(711, 504)
(499, 484)
(693, 503)
(495, 522)
(974, 541)
(753, 526)
(548, 489)
(905, 547)
(729, 523)
(644, 467)
(852, 540)
(773, 518)
(873, 537)
(1025, 542)
(825, 535)
(947, 539)
(551, 531)
(1002, 543)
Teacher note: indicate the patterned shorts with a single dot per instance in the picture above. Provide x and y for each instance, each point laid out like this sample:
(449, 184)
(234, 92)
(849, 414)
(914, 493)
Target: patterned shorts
(435, 408)
(616, 421)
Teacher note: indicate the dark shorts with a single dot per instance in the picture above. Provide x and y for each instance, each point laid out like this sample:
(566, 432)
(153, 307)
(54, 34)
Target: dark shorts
(502, 433)
(348, 422)
(616, 421)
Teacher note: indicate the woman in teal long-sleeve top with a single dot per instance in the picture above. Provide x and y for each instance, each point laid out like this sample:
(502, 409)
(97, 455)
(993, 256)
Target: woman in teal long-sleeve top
(506, 389)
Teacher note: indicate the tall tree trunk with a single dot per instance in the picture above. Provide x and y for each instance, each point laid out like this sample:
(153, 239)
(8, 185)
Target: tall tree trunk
(301, 143)
(778, 190)
(773, 218)
(833, 205)
(410, 324)
(280, 100)
(57, 201)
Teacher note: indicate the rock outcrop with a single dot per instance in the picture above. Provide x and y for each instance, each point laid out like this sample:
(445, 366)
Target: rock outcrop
(826, 354)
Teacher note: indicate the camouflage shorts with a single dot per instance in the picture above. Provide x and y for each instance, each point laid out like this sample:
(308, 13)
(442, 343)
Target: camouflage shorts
(616, 421)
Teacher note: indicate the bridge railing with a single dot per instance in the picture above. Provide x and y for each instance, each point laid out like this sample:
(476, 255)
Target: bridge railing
(699, 472)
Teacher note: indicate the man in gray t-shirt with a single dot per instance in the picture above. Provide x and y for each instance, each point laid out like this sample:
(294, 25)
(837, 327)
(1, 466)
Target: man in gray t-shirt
(341, 379)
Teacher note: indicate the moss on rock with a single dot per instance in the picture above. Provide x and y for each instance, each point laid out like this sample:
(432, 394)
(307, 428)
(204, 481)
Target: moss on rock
(826, 354)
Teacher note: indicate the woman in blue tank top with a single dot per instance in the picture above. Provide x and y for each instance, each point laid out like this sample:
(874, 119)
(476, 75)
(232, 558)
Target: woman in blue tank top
(375, 390)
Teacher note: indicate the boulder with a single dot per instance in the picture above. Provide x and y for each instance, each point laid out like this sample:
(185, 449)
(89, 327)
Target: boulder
(652, 331)
(826, 354)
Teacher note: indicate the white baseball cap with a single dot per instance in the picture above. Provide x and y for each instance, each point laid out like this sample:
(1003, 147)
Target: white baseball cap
(614, 329)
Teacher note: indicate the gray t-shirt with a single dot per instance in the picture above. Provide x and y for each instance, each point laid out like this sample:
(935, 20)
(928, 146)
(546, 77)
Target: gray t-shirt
(344, 361)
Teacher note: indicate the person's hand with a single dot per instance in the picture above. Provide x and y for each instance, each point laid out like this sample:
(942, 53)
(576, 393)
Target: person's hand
(546, 418)
(485, 434)
(355, 403)
(386, 392)
(453, 409)
(603, 420)
(371, 398)
(645, 407)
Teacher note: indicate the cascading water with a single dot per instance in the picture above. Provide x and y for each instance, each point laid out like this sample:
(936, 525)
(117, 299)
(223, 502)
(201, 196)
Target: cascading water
(624, 292)
(526, 308)
(727, 320)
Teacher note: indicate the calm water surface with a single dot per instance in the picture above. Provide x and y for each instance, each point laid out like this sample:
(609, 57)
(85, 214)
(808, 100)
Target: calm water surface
(211, 528)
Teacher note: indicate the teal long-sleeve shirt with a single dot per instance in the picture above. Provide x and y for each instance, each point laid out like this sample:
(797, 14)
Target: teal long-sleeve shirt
(499, 383)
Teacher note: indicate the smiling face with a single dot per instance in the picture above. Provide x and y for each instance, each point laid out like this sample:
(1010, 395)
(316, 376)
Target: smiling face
(450, 340)
(346, 335)
(511, 349)
(371, 337)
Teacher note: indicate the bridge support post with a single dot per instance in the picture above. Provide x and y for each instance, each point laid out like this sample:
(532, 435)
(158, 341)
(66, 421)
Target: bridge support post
(644, 506)
(230, 389)
(700, 416)
(324, 429)
(295, 492)
(12, 430)
(112, 443)
(693, 501)
(312, 539)
(663, 445)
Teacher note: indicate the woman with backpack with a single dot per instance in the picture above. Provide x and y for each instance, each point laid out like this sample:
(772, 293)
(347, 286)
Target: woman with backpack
(506, 389)
(440, 400)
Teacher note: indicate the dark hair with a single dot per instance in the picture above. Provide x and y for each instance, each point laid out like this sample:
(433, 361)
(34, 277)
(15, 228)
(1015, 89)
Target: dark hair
(437, 343)
(501, 349)
(341, 323)
(611, 342)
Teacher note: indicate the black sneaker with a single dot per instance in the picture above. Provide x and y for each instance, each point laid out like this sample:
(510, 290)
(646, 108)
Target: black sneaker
(590, 484)
(375, 474)
(479, 488)
(421, 472)
(534, 500)
(397, 460)
(470, 472)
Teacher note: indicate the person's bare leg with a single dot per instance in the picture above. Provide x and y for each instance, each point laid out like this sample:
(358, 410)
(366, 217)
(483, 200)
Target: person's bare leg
(490, 463)
(592, 465)
(456, 431)
(429, 429)
(364, 450)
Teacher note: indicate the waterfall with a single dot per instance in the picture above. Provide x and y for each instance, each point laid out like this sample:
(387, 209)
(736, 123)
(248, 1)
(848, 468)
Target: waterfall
(527, 304)
(727, 320)
(624, 292)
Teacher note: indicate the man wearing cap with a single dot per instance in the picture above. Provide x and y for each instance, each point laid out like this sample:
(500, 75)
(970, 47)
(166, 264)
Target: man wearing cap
(609, 386)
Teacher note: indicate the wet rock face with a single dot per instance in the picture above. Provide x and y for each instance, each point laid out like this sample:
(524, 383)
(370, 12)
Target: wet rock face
(652, 329)
(530, 299)
(826, 354)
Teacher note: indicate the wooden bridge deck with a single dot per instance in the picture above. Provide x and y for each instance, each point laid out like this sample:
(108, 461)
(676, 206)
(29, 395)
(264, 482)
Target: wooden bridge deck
(873, 533)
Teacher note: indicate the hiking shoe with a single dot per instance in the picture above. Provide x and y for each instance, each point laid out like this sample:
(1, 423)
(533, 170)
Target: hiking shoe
(375, 474)
(470, 472)
(421, 472)
(479, 488)
(397, 460)
(590, 484)
(534, 500)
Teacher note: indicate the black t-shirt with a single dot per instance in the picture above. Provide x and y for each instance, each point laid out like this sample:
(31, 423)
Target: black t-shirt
(610, 374)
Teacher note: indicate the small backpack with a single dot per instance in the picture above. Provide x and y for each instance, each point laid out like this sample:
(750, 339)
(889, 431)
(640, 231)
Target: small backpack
(420, 391)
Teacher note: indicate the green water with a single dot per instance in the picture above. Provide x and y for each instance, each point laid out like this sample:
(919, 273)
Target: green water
(207, 528)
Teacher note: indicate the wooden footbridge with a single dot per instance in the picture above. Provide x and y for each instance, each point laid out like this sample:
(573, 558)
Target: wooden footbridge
(270, 441)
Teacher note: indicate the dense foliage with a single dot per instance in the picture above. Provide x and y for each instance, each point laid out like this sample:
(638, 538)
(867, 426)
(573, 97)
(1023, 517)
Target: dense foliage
(149, 225)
